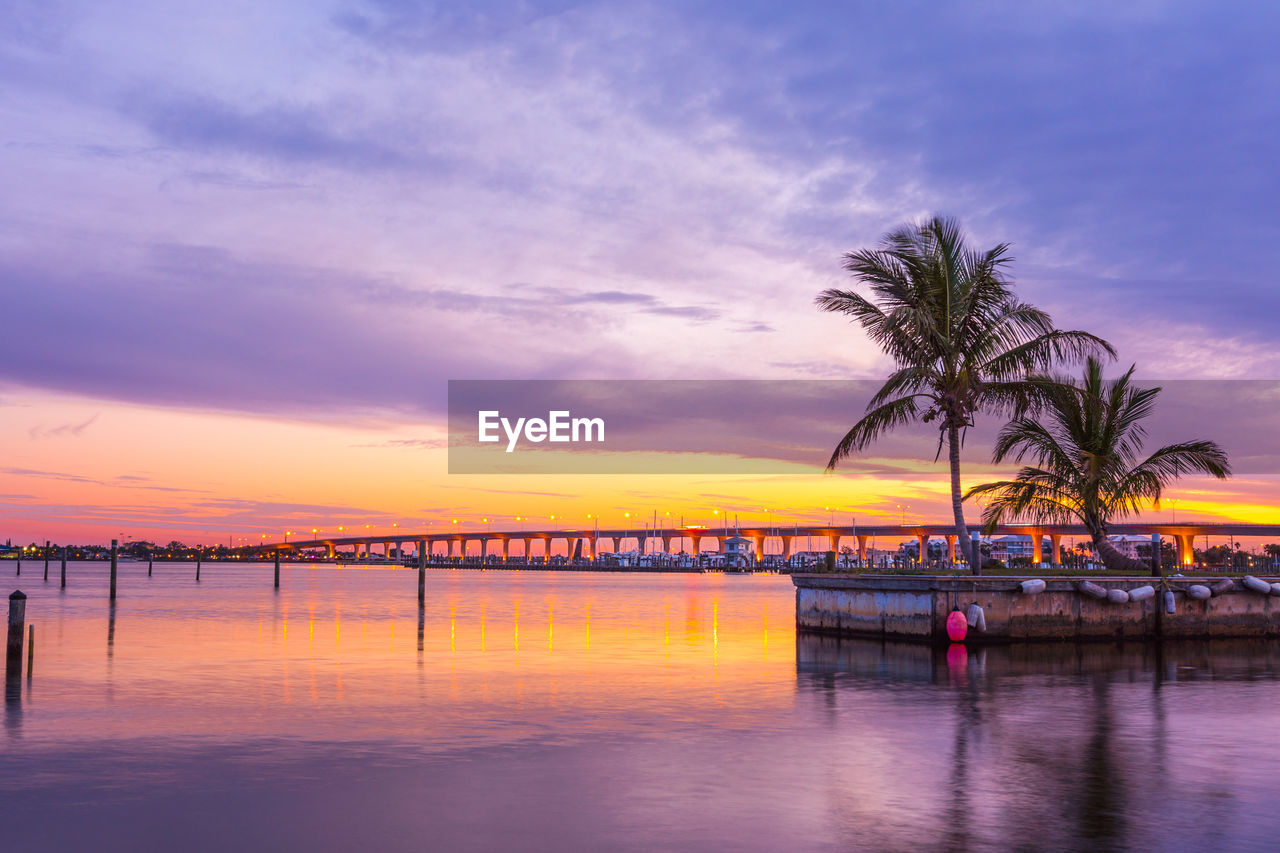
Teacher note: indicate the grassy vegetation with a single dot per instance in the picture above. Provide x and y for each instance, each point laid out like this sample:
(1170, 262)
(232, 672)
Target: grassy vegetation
(1067, 572)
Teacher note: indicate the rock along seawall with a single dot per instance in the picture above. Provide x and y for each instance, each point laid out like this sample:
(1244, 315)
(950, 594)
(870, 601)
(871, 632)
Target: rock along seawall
(915, 608)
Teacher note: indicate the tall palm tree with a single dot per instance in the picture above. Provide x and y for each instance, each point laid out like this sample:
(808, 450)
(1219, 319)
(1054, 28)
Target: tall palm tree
(1084, 449)
(961, 342)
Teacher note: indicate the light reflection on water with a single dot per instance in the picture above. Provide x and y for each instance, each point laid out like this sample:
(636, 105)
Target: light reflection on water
(610, 711)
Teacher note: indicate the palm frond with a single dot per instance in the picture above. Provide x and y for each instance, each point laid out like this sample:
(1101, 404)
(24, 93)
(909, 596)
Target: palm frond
(873, 424)
(1085, 441)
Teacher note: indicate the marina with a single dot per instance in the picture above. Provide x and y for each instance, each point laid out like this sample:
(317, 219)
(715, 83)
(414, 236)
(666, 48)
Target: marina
(551, 710)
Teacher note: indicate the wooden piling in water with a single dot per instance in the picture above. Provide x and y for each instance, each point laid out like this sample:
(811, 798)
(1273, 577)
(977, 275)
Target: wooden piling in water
(199, 554)
(151, 559)
(46, 559)
(64, 567)
(277, 586)
(17, 618)
(422, 575)
(113, 570)
(31, 650)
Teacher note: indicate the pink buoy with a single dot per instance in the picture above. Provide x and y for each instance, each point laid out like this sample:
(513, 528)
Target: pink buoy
(957, 626)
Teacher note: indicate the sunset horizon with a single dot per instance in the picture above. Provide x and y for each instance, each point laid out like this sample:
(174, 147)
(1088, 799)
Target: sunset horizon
(639, 426)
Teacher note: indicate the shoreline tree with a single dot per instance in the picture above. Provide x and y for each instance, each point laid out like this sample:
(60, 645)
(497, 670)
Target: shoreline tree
(960, 341)
(1084, 448)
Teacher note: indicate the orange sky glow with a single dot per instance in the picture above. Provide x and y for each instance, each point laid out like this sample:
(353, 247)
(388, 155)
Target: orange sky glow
(87, 471)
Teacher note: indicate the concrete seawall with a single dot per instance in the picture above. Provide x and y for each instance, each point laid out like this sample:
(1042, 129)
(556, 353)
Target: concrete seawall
(915, 608)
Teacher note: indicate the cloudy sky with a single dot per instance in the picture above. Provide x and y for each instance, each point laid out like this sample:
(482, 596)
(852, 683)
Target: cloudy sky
(245, 245)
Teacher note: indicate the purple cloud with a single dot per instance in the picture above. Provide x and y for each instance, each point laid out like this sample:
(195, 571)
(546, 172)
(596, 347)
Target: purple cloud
(331, 210)
(73, 430)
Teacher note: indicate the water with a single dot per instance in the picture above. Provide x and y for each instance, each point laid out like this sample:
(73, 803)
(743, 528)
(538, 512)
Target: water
(555, 711)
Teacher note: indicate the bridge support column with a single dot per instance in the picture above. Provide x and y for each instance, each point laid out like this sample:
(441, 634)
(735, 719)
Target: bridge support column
(759, 540)
(666, 544)
(1055, 549)
(923, 539)
(546, 548)
(1184, 543)
(697, 544)
(862, 549)
(786, 547)
(329, 548)
(835, 543)
(951, 547)
(1037, 546)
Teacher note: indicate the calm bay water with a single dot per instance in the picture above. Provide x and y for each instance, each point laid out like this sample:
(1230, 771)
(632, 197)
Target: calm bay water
(556, 711)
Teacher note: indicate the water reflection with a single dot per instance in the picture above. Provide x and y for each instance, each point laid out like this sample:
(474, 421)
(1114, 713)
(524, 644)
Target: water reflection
(12, 703)
(1055, 746)
(733, 733)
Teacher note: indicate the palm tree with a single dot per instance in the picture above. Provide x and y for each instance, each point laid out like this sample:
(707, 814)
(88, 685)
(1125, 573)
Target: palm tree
(1084, 449)
(962, 344)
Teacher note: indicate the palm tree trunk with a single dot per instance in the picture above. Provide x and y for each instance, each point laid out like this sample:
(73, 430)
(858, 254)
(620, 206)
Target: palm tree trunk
(967, 546)
(1112, 558)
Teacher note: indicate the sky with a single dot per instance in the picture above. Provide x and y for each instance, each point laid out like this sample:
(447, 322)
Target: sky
(246, 245)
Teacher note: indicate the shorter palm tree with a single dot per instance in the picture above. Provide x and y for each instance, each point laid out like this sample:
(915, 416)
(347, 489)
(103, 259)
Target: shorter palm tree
(1084, 446)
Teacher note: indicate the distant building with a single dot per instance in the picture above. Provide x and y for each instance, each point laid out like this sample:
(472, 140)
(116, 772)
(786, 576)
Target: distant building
(1015, 546)
(738, 551)
(937, 549)
(1128, 545)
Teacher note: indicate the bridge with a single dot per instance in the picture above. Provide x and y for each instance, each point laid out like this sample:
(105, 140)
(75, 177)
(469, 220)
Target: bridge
(588, 541)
